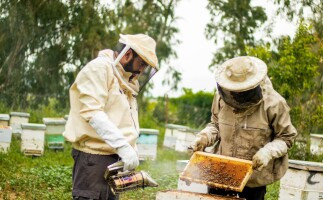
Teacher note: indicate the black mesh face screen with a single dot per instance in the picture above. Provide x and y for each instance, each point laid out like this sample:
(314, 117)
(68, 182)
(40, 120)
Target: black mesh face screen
(243, 99)
(252, 96)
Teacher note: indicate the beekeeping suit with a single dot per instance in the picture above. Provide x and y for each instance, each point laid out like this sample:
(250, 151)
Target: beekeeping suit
(104, 114)
(250, 120)
(103, 121)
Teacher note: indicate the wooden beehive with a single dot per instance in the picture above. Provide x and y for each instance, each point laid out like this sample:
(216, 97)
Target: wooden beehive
(16, 119)
(54, 132)
(184, 195)
(147, 144)
(4, 119)
(33, 139)
(302, 181)
(5, 138)
(171, 133)
(217, 171)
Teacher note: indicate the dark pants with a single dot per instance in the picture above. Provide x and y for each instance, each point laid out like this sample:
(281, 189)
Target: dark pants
(248, 193)
(88, 180)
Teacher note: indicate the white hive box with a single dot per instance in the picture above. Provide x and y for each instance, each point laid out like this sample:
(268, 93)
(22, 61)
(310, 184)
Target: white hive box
(171, 132)
(147, 144)
(5, 138)
(33, 139)
(184, 139)
(4, 119)
(317, 144)
(302, 181)
(54, 132)
(16, 119)
(54, 126)
(184, 195)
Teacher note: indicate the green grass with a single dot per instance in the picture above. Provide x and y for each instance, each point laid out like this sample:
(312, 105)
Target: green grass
(45, 177)
(49, 176)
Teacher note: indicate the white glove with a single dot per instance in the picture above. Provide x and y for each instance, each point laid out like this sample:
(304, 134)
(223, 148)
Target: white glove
(112, 135)
(129, 157)
(198, 144)
(274, 149)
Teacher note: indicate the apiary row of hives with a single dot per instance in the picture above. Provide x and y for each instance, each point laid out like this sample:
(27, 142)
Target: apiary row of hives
(32, 135)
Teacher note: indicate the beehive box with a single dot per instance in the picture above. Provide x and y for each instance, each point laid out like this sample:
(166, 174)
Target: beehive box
(4, 119)
(316, 144)
(302, 181)
(16, 119)
(184, 139)
(147, 144)
(217, 171)
(171, 132)
(54, 132)
(33, 139)
(5, 138)
(184, 195)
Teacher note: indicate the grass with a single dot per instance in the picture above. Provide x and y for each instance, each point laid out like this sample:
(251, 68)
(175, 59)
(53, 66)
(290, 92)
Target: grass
(49, 176)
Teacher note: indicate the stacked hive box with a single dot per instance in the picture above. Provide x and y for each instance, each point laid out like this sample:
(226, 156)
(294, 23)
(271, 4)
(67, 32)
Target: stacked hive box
(172, 130)
(16, 119)
(54, 130)
(33, 139)
(147, 144)
(317, 144)
(4, 119)
(184, 139)
(302, 181)
(5, 138)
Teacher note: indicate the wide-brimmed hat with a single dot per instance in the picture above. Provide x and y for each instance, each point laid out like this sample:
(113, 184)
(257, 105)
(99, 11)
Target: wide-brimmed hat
(143, 45)
(241, 73)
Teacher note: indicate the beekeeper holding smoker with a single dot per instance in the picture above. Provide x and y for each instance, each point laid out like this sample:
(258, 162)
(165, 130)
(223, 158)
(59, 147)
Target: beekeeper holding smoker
(251, 121)
(103, 120)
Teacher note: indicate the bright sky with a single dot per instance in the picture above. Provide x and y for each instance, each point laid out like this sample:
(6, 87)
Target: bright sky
(196, 52)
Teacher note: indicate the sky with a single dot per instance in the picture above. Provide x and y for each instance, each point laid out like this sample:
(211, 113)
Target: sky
(195, 52)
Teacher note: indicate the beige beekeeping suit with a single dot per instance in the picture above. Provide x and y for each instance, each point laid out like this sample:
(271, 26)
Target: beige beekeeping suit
(265, 125)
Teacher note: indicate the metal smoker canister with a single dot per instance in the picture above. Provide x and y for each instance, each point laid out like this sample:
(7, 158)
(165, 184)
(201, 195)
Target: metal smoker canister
(125, 181)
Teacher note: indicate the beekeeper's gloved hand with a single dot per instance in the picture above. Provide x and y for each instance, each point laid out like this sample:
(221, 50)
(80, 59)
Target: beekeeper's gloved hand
(274, 149)
(198, 144)
(112, 135)
(128, 156)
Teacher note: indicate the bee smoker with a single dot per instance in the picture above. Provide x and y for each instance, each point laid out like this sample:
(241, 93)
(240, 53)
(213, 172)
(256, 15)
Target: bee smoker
(121, 181)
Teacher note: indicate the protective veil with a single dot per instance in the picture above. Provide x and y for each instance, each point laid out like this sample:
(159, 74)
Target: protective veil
(145, 47)
(241, 100)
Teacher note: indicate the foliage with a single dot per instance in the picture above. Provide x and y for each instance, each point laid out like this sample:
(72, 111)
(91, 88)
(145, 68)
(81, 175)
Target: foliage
(191, 109)
(44, 44)
(36, 115)
(236, 21)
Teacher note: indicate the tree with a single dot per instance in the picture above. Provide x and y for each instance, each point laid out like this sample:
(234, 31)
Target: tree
(191, 109)
(43, 44)
(156, 18)
(297, 7)
(236, 21)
